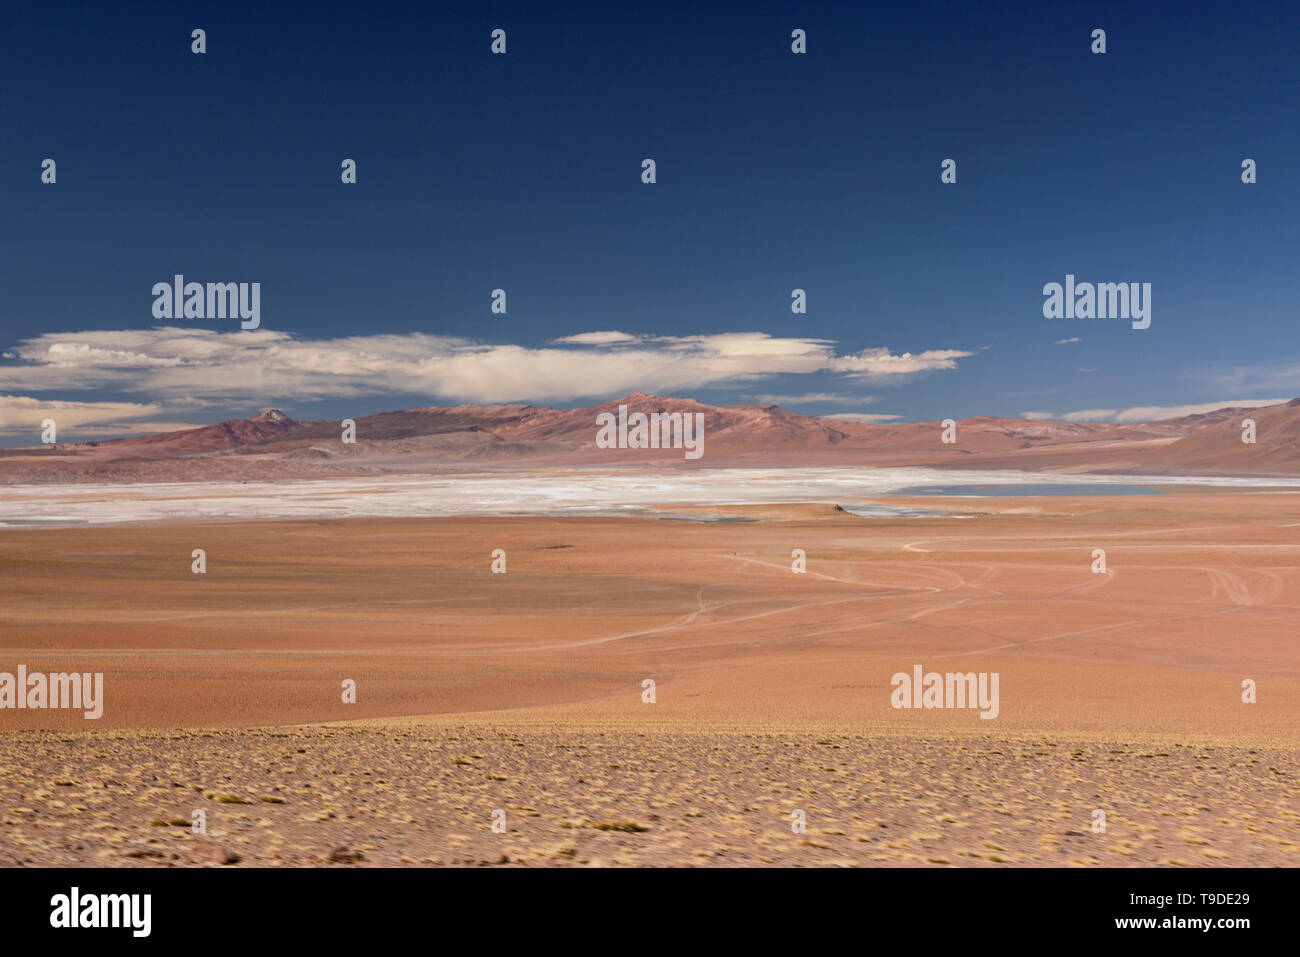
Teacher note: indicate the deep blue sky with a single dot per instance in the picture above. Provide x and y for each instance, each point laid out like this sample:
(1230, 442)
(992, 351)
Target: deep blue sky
(775, 171)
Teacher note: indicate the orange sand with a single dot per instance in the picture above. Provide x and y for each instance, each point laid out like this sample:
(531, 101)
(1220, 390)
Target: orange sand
(1119, 691)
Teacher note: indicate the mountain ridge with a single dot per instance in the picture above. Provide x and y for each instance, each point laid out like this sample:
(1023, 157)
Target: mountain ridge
(519, 434)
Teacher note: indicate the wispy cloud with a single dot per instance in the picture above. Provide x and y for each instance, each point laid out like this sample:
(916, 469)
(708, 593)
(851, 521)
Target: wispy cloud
(1066, 342)
(1281, 378)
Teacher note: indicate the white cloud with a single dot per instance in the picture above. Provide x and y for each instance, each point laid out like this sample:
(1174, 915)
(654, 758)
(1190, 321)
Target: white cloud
(1066, 342)
(867, 417)
(263, 366)
(1149, 413)
(810, 397)
(1089, 415)
(595, 339)
(1036, 415)
(21, 414)
(1153, 413)
(880, 362)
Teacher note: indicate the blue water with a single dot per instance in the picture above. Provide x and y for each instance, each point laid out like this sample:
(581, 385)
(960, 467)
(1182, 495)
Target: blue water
(1024, 491)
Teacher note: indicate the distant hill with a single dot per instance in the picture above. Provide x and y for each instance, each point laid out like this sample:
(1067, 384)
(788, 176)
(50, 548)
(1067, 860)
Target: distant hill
(234, 434)
(1217, 447)
(465, 437)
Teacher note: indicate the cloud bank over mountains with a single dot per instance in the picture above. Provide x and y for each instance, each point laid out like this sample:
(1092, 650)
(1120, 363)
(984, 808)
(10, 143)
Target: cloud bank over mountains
(174, 368)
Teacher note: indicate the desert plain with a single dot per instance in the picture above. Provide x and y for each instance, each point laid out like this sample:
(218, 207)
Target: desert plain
(519, 698)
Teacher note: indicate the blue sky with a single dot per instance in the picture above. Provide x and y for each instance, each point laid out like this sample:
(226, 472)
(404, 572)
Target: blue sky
(523, 172)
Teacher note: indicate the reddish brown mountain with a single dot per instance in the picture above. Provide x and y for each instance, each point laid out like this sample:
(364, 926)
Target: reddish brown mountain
(273, 445)
(1217, 447)
(234, 434)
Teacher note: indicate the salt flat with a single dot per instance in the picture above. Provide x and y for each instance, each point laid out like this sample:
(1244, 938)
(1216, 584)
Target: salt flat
(556, 492)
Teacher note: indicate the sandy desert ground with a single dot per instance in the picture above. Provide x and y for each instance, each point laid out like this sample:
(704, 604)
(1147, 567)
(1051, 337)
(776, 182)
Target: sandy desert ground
(522, 691)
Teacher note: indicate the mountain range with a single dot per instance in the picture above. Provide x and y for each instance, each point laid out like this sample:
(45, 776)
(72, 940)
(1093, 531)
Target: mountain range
(477, 437)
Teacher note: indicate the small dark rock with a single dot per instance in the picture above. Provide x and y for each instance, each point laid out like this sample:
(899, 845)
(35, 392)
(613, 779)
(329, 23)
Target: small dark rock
(209, 852)
(343, 855)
